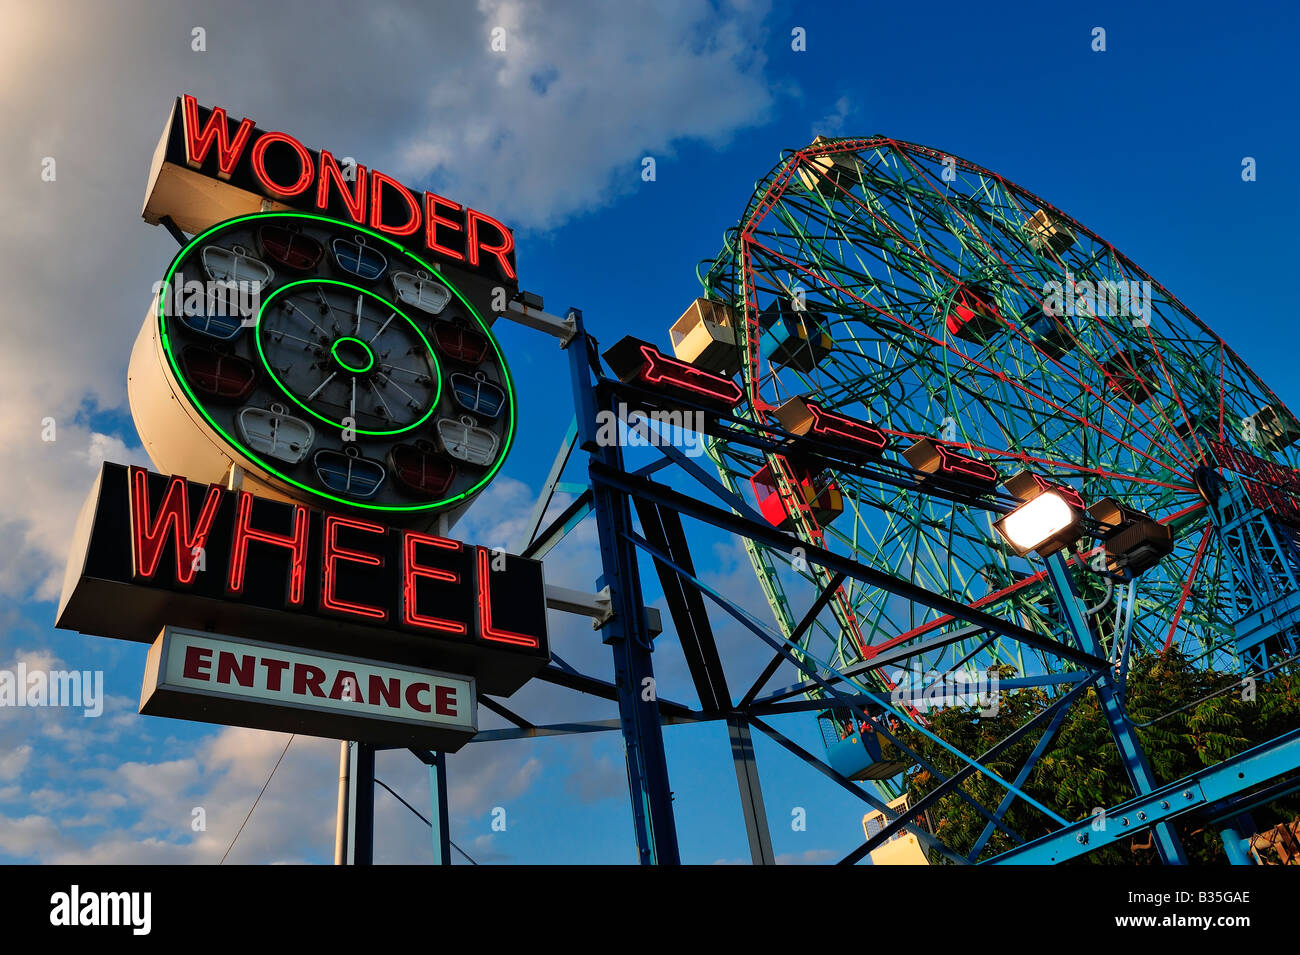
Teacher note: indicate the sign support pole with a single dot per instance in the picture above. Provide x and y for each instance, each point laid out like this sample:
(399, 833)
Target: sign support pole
(341, 831)
(441, 827)
(361, 818)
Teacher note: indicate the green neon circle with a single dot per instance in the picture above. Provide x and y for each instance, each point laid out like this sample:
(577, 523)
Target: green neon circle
(437, 371)
(334, 353)
(234, 442)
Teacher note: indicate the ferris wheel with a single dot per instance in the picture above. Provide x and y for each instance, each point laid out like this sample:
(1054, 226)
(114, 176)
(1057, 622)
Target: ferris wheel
(948, 308)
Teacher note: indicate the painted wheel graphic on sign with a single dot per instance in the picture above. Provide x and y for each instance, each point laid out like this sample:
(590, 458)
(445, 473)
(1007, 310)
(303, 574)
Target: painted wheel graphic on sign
(328, 363)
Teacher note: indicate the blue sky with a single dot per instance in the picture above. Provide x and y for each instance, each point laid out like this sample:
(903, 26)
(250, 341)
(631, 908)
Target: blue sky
(1143, 143)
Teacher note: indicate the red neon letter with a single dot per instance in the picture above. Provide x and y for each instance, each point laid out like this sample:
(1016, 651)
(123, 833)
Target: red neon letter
(355, 202)
(307, 172)
(485, 609)
(432, 220)
(295, 542)
(412, 573)
(334, 553)
(148, 537)
(474, 243)
(412, 225)
(198, 142)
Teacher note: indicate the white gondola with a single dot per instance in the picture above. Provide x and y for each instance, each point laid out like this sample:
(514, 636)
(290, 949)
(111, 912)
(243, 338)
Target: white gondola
(346, 472)
(276, 433)
(422, 291)
(235, 265)
(467, 442)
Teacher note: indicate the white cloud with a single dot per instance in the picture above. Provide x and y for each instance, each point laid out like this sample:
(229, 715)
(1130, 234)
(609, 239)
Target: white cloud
(559, 121)
(13, 762)
(553, 127)
(832, 124)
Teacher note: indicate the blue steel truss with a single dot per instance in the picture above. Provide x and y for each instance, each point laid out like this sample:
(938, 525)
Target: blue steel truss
(1266, 569)
(1221, 796)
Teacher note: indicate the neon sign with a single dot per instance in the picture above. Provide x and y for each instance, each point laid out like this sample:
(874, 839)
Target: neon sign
(939, 462)
(633, 360)
(828, 424)
(1257, 475)
(154, 551)
(208, 168)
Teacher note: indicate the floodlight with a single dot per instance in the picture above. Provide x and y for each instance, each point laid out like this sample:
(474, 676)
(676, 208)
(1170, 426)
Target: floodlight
(1135, 542)
(1044, 525)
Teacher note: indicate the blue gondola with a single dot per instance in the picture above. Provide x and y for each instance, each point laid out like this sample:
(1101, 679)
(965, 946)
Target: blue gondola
(221, 327)
(855, 749)
(349, 473)
(1050, 334)
(475, 393)
(359, 260)
(794, 337)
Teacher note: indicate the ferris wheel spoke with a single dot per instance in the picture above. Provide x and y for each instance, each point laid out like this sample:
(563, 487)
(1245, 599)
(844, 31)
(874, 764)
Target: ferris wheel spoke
(1187, 587)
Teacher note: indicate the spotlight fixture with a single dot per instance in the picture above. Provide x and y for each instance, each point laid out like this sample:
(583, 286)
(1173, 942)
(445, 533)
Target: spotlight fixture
(1044, 524)
(1135, 542)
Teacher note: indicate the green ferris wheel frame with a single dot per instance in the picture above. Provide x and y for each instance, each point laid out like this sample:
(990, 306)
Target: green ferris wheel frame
(877, 236)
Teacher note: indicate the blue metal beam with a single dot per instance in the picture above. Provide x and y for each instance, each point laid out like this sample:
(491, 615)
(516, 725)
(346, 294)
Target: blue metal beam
(617, 479)
(1234, 775)
(1126, 739)
(926, 839)
(626, 632)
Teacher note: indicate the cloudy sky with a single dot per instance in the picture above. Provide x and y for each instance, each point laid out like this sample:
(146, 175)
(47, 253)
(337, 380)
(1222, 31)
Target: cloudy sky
(1144, 143)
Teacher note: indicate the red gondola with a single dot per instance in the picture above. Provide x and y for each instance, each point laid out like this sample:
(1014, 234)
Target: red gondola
(218, 376)
(290, 249)
(419, 469)
(823, 497)
(459, 342)
(974, 314)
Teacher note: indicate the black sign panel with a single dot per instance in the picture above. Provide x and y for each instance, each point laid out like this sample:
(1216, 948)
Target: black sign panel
(152, 551)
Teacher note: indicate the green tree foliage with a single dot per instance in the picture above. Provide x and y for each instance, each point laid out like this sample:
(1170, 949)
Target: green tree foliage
(1186, 719)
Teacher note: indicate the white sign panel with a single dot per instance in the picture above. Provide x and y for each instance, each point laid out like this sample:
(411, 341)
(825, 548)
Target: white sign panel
(214, 678)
